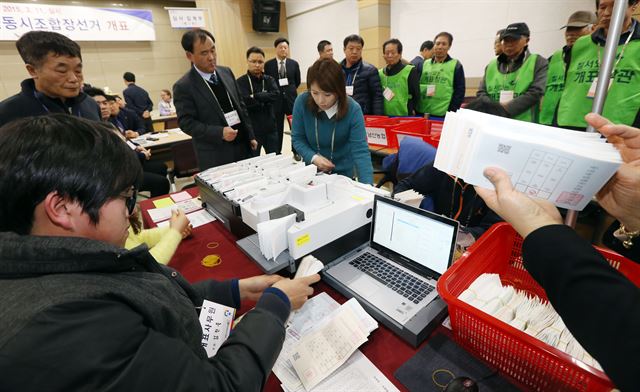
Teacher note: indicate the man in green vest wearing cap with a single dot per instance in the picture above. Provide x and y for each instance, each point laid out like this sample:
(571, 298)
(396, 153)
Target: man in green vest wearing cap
(516, 78)
(580, 23)
(399, 80)
(442, 83)
(622, 105)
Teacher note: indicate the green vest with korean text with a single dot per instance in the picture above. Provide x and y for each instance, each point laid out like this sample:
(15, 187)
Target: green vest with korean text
(623, 98)
(518, 82)
(399, 84)
(440, 75)
(553, 91)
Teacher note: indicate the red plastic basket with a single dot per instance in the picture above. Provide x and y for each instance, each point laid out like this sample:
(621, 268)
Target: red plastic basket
(429, 131)
(525, 359)
(380, 132)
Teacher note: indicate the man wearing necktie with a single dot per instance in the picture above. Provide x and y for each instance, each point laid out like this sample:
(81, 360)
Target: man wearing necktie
(286, 72)
(209, 107)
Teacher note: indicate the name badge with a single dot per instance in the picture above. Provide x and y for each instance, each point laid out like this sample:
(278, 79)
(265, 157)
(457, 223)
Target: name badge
(232, 118)
(349, 90)
(216, 321)
(431, 90)
(506, 96)
(283, 82)
(592, 89)
(388, 94)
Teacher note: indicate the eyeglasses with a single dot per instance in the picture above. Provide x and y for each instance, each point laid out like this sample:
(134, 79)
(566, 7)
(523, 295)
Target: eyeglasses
(130, 198)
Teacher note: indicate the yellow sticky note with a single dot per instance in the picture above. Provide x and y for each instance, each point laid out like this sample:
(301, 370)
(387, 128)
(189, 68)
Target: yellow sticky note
(303, 239)
(164, 202)
(357, 198)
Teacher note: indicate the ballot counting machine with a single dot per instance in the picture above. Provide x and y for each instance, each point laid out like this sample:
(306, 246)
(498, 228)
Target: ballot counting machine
(328, 215)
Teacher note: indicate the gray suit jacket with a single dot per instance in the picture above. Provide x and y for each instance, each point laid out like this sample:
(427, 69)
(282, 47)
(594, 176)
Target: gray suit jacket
(200, 116)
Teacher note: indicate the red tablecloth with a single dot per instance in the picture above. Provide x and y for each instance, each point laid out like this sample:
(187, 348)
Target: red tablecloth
(387, 351)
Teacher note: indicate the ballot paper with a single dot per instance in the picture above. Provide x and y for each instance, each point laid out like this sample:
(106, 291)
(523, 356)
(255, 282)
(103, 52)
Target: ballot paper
(322, 351)
(562, 166)
(409, 197)
(272, 236)
(357, 374)
(196, 219)
(308, 266)
(318, 314)
(164, 213)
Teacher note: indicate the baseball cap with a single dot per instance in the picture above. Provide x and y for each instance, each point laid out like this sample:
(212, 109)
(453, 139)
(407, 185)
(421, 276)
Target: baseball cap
(581, 19)
(516, 30)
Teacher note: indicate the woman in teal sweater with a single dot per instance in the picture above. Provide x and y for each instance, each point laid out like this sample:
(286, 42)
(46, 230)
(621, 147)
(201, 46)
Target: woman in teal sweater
(328, 127)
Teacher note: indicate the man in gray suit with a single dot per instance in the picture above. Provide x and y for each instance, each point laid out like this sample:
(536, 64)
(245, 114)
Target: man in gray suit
(209, 107)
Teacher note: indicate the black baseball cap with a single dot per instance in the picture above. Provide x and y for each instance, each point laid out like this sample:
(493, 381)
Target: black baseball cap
(516, 30)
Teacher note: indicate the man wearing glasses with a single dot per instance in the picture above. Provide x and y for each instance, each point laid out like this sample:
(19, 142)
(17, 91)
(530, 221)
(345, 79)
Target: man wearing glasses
(82, 313)
(259, 93)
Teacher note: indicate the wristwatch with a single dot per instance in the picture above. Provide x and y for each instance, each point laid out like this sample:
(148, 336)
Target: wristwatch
(625, 236)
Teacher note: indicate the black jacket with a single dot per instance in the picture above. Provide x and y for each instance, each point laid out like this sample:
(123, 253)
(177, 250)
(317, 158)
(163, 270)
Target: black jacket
(289, 92)
(29, 102)
(137, 99)
(128, 120)
(200, 116)
(367, 90)
(474, 216)
(82, 315)
(598, 304)
(259, 101)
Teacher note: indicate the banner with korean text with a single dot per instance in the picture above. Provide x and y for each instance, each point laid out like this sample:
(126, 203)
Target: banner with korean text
(77, 23)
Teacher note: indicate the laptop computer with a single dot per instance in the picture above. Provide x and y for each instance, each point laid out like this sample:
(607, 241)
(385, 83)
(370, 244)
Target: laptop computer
(397, 271)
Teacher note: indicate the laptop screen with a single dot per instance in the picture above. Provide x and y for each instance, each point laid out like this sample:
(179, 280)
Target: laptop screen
(418, 235)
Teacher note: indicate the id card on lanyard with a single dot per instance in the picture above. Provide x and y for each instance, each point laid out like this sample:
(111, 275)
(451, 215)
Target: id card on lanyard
(231, 117)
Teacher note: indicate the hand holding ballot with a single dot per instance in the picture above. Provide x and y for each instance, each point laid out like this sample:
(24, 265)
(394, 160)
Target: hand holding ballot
(524, 213)
(621, 195)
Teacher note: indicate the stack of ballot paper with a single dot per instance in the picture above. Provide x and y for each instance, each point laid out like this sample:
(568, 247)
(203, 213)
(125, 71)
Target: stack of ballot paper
(524, 312)
(320, 349)
(562, 166)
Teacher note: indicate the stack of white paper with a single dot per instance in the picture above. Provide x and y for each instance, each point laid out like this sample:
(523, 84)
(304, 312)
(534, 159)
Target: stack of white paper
(562, 166)
(320, 349)
(272, 236)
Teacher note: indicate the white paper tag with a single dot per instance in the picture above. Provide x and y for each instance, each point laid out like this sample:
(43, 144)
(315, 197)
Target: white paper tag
(592, 89)
(216, 321)
(232, 118)
(506, 96)
(431, 90)
(388, 94)
(283, 82)
(349, 90)
(377, 136)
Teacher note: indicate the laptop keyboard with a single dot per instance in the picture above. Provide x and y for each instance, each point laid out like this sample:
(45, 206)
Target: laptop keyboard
(407, 285)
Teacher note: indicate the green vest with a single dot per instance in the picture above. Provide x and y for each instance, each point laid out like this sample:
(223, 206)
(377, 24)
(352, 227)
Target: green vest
(518, 82)
(399, 84)
(440, 75)
(623, 99)
(553, 91)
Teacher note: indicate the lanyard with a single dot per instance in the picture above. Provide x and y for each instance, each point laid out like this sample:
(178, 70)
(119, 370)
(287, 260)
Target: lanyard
(504, 76)
(251, 84)
(353, 81)
(333, 139)
(216, 98)
(621, 52)
(461, 202)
